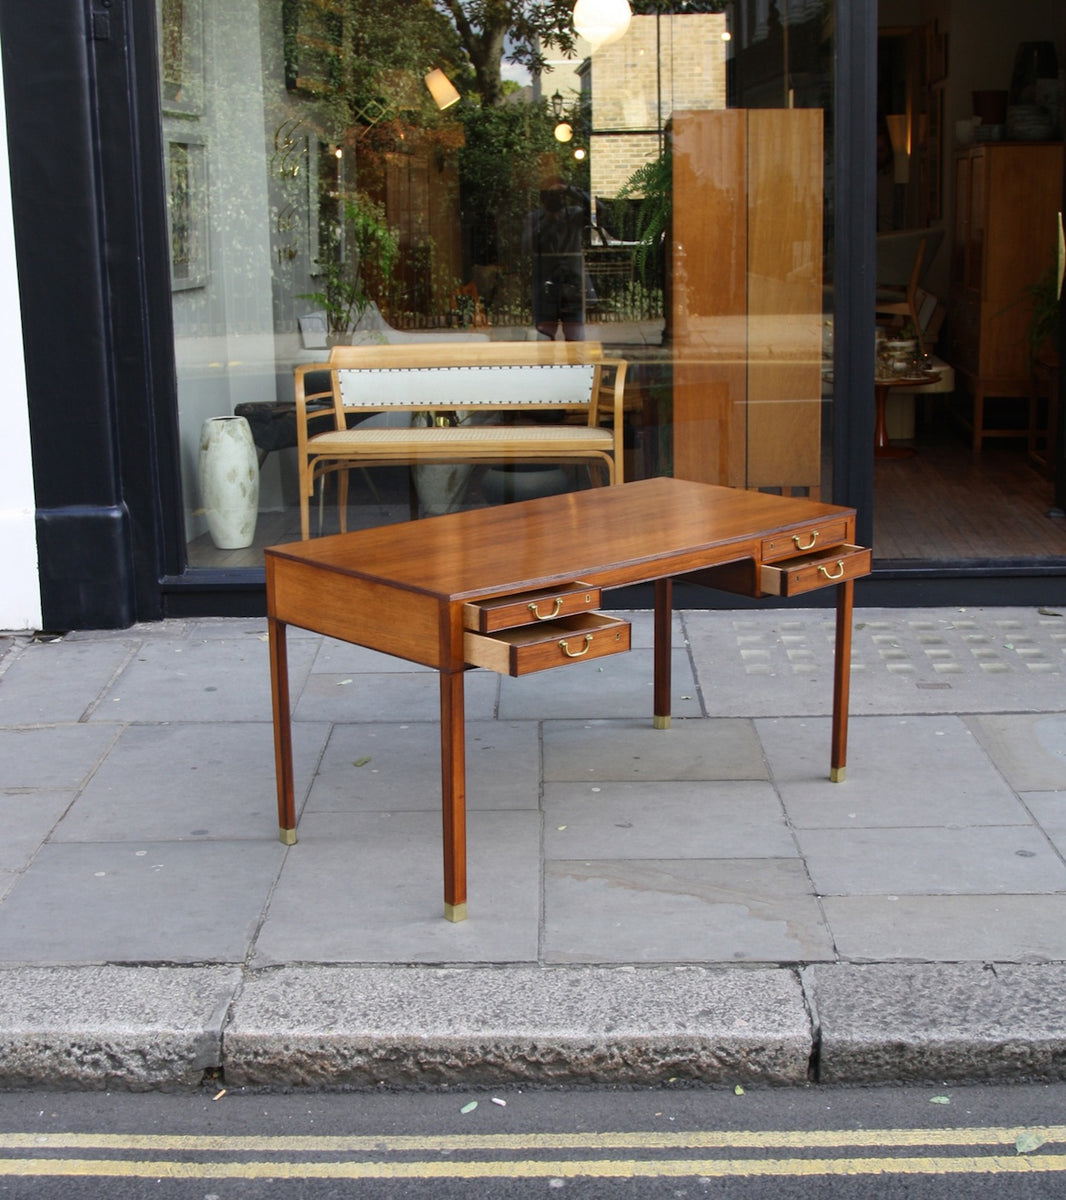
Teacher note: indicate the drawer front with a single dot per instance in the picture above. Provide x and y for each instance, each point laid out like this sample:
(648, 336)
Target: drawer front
(809, 572)
(529, 648)
(527, 608)
(803, 541)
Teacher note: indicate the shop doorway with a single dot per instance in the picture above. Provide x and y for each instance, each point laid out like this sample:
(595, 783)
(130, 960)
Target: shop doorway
(969, 203)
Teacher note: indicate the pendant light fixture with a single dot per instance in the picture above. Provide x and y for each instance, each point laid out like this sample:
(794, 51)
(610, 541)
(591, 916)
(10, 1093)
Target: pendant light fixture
(601, 22)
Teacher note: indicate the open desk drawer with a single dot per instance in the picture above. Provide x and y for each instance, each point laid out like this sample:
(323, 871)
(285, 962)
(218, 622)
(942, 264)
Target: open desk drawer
(808, 572)
(547, 644)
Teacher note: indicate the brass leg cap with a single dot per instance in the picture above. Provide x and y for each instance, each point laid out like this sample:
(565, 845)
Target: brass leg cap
(661, 722)
(836, 774)
(455, 912)
(288, 837)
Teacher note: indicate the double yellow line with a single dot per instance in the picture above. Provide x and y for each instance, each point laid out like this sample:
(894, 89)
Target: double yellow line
(615, 1155)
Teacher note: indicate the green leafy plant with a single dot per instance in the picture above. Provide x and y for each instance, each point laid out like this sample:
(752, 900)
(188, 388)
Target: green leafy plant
(652, 184)
(346, 278)
(1044, 325)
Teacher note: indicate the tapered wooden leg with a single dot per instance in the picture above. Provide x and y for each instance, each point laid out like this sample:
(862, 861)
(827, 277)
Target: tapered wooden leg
(664, 596)
(342, 501)
(453, 792)
(841, 682)
(279, 695)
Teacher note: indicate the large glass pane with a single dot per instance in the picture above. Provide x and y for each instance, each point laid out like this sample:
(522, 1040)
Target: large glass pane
(664, 192)
(970, 188)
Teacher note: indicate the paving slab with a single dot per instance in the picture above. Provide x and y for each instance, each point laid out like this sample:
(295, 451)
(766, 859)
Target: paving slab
(367, 1027)
(200, 679)
(692, 748)
(902, 771)
(178, 782)
(718, 911)
(987, 860)
(396, 766)
(151, 902)
(57, 682)
(1049, 810)
(1029, 748)
(112, 1027)
(28, 817)
(343, 658)
(667, 820)
(55, 757)
(1001, 928)
(348, 697)
(368, 887)
(938, 1022)
(619, 686)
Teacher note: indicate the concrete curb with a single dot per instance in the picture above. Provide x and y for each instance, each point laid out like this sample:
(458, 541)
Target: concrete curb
(959, 1022)
(408, 1027)
(320, 1027)
(136, 1028)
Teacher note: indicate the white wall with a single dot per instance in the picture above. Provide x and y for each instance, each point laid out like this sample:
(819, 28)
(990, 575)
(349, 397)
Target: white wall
(20, 594)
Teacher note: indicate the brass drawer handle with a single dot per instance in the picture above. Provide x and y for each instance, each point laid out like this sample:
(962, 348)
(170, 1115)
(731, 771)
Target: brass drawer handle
(576, 653)
(838, 574)
(810, 544)
(546, 616)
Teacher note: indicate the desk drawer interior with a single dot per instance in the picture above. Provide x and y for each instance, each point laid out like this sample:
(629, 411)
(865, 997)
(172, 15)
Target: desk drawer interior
(527, 648)
(808, 572)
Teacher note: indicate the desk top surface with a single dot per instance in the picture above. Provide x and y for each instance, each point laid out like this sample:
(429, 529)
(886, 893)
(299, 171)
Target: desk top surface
(625, 534)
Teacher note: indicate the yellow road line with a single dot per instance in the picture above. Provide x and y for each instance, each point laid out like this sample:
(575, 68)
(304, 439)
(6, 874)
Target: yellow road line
(761, 1139)
(528, 1169)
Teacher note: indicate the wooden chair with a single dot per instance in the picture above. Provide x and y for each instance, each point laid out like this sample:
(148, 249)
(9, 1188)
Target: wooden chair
(903, 259)
(903, 302)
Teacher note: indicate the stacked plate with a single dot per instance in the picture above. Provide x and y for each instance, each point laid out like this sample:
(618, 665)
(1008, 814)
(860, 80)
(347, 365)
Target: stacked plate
(1029, 122)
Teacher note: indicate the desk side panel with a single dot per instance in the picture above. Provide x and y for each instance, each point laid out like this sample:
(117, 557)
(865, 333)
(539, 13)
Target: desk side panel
(353, 609)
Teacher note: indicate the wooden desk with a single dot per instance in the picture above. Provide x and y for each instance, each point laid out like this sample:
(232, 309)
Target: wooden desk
(512, 588)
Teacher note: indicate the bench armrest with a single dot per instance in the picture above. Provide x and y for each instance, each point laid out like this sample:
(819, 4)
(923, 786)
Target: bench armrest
(608, 404)
(330, 396)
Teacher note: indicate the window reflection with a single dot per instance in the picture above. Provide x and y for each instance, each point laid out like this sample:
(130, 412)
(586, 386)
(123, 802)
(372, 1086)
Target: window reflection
(340, 199)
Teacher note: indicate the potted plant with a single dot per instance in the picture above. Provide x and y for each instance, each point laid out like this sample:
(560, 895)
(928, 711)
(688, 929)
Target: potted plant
(362, 247)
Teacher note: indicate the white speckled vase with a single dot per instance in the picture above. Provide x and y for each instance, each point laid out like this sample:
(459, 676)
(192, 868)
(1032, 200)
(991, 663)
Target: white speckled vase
(229, 481)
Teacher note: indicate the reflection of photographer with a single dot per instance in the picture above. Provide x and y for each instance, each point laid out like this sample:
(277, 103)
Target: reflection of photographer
(553, 239)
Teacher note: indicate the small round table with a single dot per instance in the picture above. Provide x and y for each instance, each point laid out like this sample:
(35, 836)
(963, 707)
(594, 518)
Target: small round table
(883, 448)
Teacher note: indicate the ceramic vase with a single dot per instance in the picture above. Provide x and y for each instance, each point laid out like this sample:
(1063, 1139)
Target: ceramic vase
(229, 481)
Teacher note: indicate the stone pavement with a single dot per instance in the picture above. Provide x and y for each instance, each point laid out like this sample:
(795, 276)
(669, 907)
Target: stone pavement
(698, 903)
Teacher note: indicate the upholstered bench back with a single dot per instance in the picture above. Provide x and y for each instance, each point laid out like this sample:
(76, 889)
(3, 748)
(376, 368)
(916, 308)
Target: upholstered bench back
(554, 385)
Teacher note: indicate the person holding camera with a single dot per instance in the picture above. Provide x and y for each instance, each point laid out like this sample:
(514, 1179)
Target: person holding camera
(553, 238)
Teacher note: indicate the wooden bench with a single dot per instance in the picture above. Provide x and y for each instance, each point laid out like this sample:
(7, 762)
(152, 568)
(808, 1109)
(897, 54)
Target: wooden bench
(439, 400)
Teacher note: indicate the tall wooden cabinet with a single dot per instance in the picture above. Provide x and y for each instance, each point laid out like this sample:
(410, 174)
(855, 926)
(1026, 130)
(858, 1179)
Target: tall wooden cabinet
(1007, 195)
(746, 297)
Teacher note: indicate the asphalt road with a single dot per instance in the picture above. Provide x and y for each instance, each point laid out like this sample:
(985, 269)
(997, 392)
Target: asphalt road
(975, 1142)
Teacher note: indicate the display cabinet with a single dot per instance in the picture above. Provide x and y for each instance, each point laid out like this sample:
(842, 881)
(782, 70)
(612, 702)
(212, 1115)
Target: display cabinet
(1007, 196)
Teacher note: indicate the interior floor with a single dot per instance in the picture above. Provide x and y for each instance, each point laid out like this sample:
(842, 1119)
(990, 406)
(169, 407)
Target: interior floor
(946, 504)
